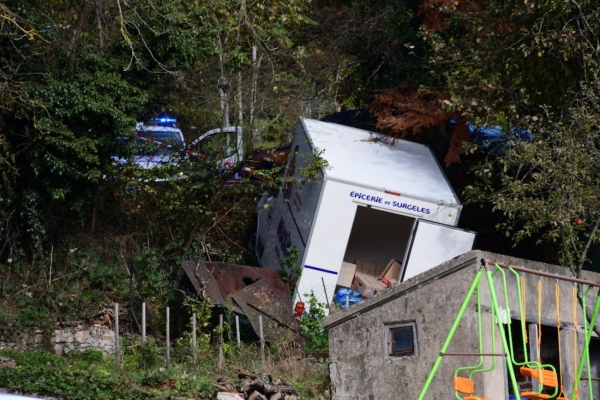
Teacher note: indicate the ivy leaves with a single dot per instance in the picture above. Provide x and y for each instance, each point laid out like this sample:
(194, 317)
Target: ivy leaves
(84, 110)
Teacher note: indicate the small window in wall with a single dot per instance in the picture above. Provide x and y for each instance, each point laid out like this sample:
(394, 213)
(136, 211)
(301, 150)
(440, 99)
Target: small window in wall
(401, 339)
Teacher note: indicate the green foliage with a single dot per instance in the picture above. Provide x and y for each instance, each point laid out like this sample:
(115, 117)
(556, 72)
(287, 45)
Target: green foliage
(48, 373)
(139, 354)
(311, 324)
(88, 375)
(87, 357)
(314, 169)
(153, 284)
(486, 50)
(368, 46)
(184, 344)
(531, 66)
(49, 297)
(291, 269)
(33, 358)
(103, 278)
(547, 187)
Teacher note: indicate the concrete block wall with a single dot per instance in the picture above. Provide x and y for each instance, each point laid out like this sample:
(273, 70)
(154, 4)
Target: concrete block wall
(361, 368)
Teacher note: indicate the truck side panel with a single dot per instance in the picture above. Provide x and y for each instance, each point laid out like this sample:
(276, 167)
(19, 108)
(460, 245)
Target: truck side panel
(286, 220)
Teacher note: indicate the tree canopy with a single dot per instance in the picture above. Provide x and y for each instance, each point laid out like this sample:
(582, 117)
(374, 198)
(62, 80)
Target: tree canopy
(529, 66)
(79, 74)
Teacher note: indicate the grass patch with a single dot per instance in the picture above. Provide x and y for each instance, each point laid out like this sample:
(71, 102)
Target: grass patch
(90, 375)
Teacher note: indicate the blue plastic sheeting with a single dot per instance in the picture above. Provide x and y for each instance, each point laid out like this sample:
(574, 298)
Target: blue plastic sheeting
(352, 295)
(495, 139)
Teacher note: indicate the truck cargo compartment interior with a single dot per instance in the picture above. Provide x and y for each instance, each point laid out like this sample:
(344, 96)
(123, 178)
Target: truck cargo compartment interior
(378, 236)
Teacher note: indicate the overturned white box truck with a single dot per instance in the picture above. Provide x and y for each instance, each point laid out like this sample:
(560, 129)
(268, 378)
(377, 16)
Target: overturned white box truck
(374, 199)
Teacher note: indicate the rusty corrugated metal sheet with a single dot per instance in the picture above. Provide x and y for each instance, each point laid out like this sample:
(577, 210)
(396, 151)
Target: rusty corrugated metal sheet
(202, 281)
(259, 299)
(233, 278)
(220, 280)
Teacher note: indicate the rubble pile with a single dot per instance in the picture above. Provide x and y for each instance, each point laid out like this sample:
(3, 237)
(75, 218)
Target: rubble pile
(256, 387)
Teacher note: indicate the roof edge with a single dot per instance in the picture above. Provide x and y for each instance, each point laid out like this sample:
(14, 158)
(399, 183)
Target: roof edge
(466, 260)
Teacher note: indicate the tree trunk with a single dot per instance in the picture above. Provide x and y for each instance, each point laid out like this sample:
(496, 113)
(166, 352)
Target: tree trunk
(256, 61)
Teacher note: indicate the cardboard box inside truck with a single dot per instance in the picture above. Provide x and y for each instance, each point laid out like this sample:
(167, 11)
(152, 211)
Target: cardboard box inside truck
(368, 285)
(391, 271)
(365, 268)
(346, 274)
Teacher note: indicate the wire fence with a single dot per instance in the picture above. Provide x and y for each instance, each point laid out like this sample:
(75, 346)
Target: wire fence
(232, 329)
(254, 315)
(164, 318)
(196, 323)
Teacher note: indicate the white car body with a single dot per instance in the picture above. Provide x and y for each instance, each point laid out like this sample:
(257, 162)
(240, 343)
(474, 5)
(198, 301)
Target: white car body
(229, 144)
(158, 145)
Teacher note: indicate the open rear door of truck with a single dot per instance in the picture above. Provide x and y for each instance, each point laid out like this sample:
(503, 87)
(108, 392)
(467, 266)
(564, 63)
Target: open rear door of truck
(432, 244)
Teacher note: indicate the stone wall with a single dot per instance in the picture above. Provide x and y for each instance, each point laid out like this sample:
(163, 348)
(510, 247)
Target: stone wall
(63, 339)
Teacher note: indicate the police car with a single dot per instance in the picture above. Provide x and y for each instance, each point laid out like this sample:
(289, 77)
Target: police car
(158, 142)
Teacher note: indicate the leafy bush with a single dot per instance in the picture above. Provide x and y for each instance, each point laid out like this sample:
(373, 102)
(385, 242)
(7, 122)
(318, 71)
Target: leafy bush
(311, 324)
(139, 354)
(87, 356)
(86, 375)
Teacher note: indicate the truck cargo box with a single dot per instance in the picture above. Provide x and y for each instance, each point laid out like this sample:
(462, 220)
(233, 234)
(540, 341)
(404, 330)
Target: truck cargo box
(351, 195)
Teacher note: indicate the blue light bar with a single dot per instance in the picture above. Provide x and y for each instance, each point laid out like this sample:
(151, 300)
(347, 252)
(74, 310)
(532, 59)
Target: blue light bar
(163, 121)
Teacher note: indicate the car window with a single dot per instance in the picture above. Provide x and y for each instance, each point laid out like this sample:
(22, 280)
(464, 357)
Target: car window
(147, 147)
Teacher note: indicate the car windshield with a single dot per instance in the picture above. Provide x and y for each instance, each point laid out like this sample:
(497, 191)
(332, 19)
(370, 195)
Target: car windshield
(146, 147)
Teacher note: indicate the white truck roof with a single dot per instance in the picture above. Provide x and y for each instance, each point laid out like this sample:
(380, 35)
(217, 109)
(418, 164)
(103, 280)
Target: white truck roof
(369, 159)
